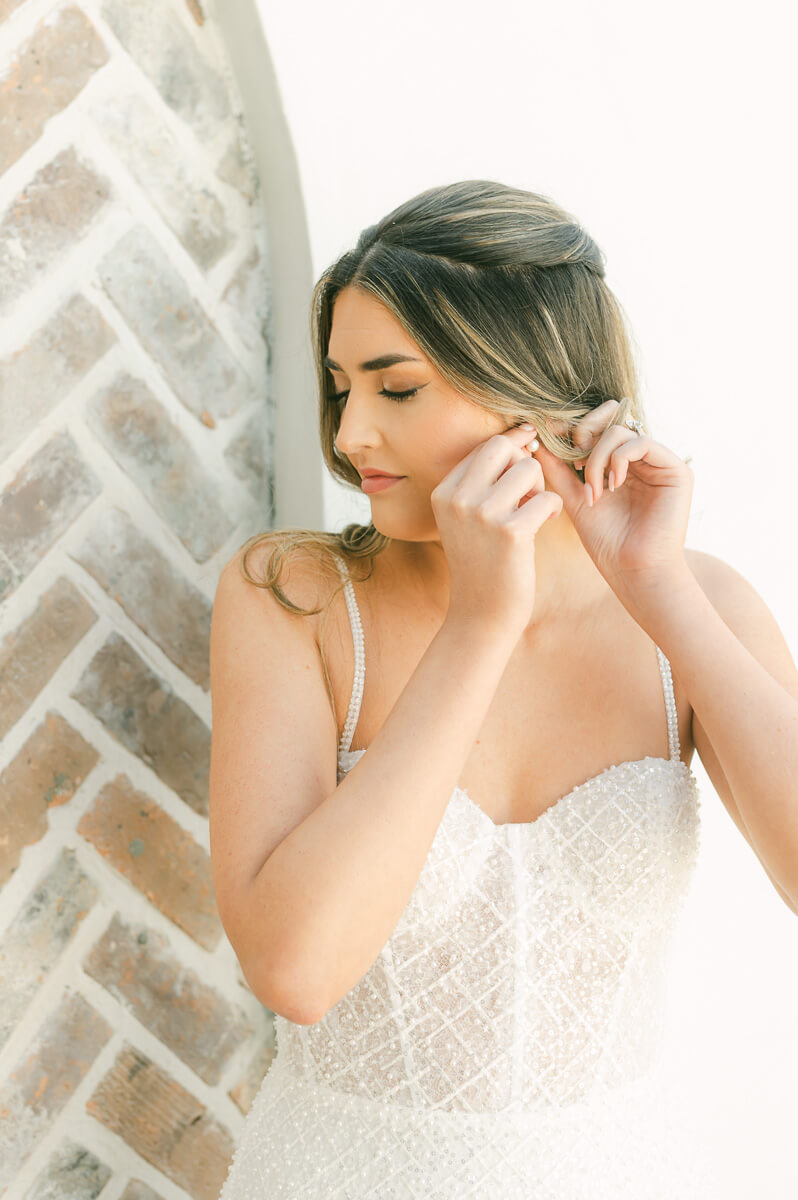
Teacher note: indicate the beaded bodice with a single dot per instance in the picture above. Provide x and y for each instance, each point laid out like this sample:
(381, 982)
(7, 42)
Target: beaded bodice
(523, 986)
(508, 929)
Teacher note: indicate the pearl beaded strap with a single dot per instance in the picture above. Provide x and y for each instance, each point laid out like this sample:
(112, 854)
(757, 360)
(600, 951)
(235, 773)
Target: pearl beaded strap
(360, 659)
(670, 704)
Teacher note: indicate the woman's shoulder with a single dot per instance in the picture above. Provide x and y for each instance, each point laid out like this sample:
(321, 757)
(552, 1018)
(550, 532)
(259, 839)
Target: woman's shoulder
(301, 574)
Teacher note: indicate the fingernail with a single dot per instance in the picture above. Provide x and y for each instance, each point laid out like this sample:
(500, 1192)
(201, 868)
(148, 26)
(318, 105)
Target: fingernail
(589, 494)
(612, 481)
(527, 425)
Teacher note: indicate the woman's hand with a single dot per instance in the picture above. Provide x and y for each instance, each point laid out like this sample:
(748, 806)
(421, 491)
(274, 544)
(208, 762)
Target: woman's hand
(634, 525)
(488, 509)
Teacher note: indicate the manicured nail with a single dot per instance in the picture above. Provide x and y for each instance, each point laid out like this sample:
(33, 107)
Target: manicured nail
(612, 481)
(589, 494)
(527, 425)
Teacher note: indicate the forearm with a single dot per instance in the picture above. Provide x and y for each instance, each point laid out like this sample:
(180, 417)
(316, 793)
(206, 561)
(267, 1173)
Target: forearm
(334, 889)
(749, 718)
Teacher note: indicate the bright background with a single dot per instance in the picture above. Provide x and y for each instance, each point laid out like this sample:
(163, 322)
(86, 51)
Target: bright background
(665, 131)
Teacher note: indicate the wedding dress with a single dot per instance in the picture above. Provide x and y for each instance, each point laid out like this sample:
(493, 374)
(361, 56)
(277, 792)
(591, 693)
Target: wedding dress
(504, 1044)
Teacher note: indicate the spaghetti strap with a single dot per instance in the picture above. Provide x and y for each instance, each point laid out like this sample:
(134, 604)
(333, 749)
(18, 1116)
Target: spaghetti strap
(670, 705)
(360, 659)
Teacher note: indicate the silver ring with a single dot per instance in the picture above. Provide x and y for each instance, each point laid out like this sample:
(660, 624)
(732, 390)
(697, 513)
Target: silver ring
(633, 424)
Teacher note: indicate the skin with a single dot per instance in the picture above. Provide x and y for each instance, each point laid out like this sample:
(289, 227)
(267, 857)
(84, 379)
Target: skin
(405, 601)
(516, 722)
(423, 438)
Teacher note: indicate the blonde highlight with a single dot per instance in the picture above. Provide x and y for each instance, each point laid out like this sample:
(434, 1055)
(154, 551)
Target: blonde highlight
(505, 292)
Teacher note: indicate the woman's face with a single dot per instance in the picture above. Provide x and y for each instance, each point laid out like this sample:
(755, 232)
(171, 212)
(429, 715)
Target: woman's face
(421, 437)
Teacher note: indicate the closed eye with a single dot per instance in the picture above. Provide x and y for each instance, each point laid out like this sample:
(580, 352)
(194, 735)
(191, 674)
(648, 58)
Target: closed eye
(398, 396)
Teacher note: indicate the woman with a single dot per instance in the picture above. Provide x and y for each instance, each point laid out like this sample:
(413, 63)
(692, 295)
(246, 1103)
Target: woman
(462, 926)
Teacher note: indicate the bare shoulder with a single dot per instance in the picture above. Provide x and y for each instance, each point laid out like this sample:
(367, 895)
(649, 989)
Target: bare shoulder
(304, 579)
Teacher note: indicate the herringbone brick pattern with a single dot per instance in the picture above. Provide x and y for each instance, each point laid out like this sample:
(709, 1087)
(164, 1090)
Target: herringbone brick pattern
(135, 456)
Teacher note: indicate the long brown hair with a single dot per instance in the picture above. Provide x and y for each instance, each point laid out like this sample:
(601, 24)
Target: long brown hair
(505, 293)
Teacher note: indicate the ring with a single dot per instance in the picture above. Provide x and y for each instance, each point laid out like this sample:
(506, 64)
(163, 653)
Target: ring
(633, 424)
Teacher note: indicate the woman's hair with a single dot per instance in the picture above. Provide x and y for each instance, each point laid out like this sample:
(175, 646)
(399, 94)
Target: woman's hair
(504, 292)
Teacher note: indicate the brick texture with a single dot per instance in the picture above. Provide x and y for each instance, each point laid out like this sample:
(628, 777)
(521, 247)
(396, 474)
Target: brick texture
(142, 712)
(72, 1173)
(164, 1123)
(40, 933)
(171, 611)
(245, 1090)
(46, 220)
(149, 848)
(136, 446)
(160, 45)
(157, 303)
(47, 73)
(32, 652)
(37, 376)
(136, 1190)
(151, 152)
(40, 503)
(135, 964)
(45, 773)
(149, 447)
(43, 1081)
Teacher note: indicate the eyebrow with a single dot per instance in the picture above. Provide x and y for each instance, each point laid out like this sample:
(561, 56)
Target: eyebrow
(375, 364)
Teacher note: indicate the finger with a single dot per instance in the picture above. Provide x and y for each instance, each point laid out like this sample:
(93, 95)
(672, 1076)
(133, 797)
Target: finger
(531, 515)
(643, 449)
(590, 427)
(598, 460)
(558, 473)
(496, 451)
(506, 493)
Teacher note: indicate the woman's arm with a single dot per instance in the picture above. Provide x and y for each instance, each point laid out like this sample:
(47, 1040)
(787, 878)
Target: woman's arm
(311, 878)
(728, 652)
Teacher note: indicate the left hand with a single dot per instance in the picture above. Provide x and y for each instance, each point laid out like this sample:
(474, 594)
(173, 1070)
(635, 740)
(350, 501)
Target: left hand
(634, 534)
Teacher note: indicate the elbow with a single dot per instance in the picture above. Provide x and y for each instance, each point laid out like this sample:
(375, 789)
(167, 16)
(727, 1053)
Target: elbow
(290, 994)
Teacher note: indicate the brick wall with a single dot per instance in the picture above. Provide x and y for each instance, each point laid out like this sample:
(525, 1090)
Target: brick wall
(135, 455)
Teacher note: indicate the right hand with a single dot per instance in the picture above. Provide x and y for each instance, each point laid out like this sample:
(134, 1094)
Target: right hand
(488, 513)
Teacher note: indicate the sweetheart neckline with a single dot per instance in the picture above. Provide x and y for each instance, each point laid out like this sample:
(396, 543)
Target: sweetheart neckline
(561, 801)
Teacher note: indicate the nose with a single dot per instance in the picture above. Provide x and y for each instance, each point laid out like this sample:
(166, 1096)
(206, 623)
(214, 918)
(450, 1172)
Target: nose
(356, 429)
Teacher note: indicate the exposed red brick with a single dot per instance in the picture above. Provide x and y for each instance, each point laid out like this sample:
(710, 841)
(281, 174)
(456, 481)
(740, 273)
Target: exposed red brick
(48, 769)
(45, 369)
(150, 849)
(163, 1123)
(247, 1087)
(147, 444)
(46, 220)
(40, 932)
(143, 713)
(32, 652)
(153, 592)
(137, 965)
(45, 1079)
(47, 73)
(40, 503)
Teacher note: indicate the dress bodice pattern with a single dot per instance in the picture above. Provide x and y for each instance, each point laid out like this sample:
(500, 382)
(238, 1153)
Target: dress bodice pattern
(506, 1040)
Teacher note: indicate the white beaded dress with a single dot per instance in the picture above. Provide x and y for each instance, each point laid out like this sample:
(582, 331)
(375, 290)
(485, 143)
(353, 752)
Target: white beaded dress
(504, 1045)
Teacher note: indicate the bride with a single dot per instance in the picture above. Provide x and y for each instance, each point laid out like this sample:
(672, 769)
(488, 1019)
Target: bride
(453, 819)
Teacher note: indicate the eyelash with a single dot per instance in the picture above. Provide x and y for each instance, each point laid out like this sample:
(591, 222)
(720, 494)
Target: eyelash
(398, 396)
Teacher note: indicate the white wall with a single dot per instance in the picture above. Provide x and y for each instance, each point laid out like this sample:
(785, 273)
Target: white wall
(665, 131)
